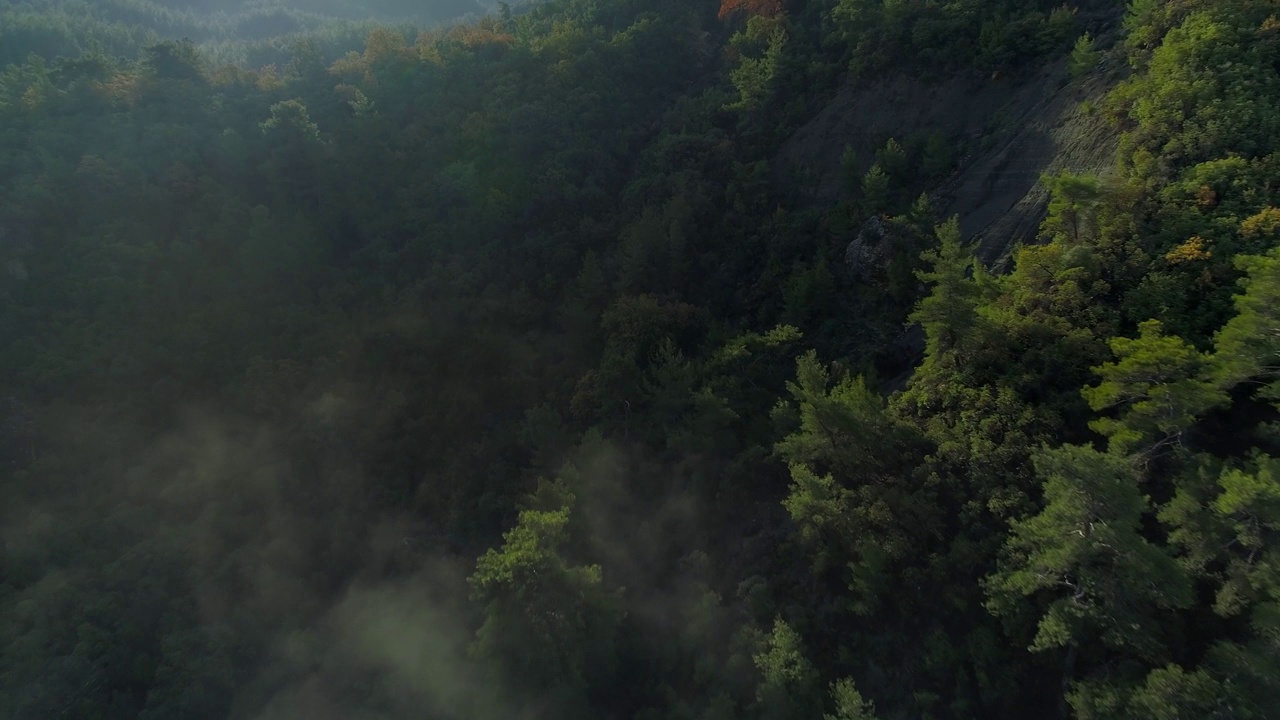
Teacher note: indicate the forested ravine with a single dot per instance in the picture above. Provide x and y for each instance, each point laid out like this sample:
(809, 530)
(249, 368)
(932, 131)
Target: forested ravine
(640, 359)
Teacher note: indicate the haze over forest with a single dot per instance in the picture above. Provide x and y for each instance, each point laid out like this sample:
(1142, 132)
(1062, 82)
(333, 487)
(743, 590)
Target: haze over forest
(640, 360)
(251, 32)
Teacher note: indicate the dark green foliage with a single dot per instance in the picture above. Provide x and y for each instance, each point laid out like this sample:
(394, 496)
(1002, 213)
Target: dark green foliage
(550, 626)
(233, 30)
(952, 32)
(849, 703)
(1084, 57)
(1086, 549)
(287, 351)
(788, 679)
(1156, 389)
(949, 314)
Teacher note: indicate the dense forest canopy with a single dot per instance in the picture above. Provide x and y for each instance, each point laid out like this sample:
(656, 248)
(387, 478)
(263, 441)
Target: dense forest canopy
(253, 32)
(524, 362)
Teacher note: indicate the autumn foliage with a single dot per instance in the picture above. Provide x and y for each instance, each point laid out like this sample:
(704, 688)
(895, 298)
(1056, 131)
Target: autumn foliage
(480, 35)
(763, 8)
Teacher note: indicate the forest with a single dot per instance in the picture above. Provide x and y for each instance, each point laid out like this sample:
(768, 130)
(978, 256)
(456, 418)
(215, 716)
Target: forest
(640, 359)
(255, 33)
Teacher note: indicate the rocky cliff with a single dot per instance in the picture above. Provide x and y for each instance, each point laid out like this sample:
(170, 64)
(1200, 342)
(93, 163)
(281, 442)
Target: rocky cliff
(1011, 129)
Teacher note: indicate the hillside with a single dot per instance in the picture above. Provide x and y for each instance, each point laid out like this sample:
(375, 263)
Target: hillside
(252, 32)
(640, 359)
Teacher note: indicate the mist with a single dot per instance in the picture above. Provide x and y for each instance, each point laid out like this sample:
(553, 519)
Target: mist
(638, 360)
(249, 32)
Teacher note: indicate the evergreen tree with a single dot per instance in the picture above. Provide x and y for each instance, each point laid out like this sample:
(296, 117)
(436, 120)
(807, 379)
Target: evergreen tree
(788, 681)
(875, 190)
(1156, 389)
(1084, 58)
(949, 314)
(548, 623)
(1084, 556)
(849, 703)
(1248, 346)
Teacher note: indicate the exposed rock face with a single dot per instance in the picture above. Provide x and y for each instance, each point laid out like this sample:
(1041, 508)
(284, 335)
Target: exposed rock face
(864, 115)
(1012, 130)
(1016, 130)
(870, 252)
(998, 194)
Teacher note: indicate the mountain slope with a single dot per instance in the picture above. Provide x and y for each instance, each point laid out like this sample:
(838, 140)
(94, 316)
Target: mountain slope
(517, 369)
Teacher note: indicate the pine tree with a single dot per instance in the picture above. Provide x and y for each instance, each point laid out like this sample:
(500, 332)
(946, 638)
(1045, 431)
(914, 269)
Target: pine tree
(875, 190)
(1248, 346)
(788, 683)
(1156, 389)
(850, 705)
(546, 620)
(949, 313)
(1084, 58)
(1086, 555)
(1073, 201)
